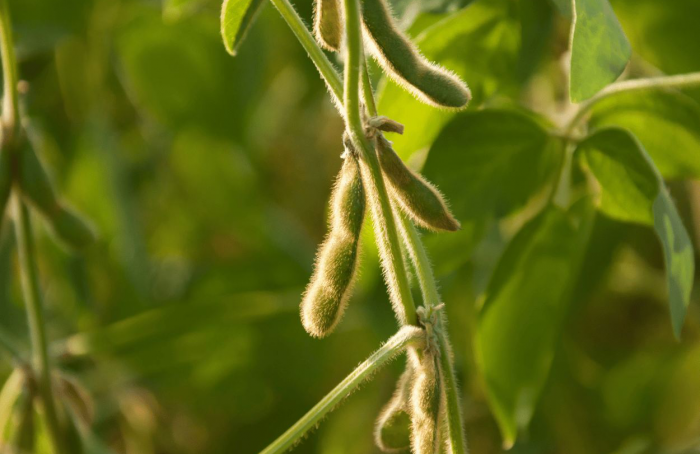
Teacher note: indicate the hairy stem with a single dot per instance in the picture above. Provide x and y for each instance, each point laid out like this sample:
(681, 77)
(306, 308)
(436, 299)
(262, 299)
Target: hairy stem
(37, 323)
(396, 344)
(650, 83)
(431, 297)
(384, 222)
(325, 67)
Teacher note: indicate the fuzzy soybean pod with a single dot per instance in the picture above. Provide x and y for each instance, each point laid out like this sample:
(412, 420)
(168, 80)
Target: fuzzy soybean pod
(417, 197)
(328, 24)
(392, 432)
(37, 189)
(405, 64)
(426, 402)
(328, 291)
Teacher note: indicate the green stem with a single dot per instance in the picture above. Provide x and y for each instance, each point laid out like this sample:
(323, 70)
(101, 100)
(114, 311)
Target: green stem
(395, 345)
(367, 91)
(384, 223)
(431, 297)
(650, 83)
(325, 67)
(10, 102)
(23, 234)
(37, 323)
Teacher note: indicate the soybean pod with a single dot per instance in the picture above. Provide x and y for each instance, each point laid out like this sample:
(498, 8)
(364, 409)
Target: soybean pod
(404, 63)
(426, 403)
(392, 431)
(328, 291)
(417, 197)
(328, 24)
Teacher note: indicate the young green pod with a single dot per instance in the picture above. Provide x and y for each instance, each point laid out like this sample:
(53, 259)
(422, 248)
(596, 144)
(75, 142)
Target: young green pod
(426, 400)
(5, 180)
(328, 291)
(403, 62)
(37, 188)
(417, 197)
(392, 432)
(328, 24)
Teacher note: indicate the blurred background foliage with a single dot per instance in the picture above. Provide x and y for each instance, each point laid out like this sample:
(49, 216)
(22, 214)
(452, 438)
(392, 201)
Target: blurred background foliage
(207, 177)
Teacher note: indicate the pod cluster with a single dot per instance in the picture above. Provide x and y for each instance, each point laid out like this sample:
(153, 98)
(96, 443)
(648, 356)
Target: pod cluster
(413, 416)
(23, 167)
(330, 287)
(394, 51)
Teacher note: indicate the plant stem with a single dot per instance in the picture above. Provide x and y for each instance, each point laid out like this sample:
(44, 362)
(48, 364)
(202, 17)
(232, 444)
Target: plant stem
(384, 222)
(395, 345)
(650, 83)
(324, 66)
(23, 234)
(431, 297)
(10, 102)
(367, 92)
(37, 323)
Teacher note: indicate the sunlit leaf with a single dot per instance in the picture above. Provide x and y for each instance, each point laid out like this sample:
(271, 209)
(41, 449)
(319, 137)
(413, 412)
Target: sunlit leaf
(237, 16)
(633, 190)
(667, 123)
(599, 48)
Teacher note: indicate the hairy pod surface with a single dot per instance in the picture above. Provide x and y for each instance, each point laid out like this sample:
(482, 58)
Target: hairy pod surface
(328, 24)
(5, 180)
(418, 198)
(328, 291)
(392, 432)
(401, 59)
(37, 188)
(426, 400)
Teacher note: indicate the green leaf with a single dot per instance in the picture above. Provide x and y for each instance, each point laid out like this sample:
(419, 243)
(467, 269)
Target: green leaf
(599, 48)
(480, 44)
(633, 190)
(663, 34)
(536, 27)
(667, 123)
(629, 184)
(524, 308)
(478, 162)
(564, 7)
(237, 16)
(678, 256)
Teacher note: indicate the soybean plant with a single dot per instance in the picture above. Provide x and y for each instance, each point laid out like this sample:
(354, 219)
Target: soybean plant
(424, 412)
(24, 180)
